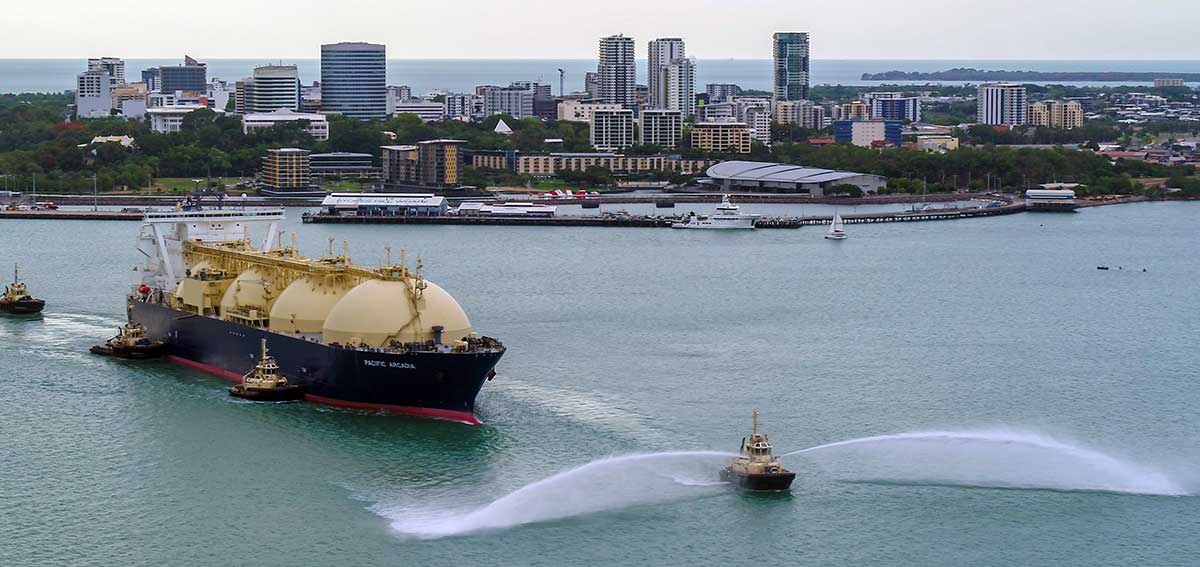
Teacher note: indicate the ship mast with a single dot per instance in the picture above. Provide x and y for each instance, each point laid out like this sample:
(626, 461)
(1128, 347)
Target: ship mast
(755, 423)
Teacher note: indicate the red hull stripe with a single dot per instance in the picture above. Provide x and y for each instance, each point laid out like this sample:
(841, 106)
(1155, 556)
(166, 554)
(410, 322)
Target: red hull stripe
(448, 415)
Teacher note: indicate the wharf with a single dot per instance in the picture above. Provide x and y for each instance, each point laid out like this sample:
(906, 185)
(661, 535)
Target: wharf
(72, 215)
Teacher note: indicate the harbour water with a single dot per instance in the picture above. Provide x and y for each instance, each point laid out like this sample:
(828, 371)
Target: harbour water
(463, 75)
(1021, 407)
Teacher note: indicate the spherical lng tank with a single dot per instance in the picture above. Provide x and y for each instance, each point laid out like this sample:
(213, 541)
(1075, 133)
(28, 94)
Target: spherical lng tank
(377, 312)
(252, 289)
(305, 303)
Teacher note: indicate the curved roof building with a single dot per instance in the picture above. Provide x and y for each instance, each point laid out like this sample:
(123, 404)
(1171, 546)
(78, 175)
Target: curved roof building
(757, 176)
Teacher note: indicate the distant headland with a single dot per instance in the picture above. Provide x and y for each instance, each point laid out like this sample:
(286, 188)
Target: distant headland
(969, 74)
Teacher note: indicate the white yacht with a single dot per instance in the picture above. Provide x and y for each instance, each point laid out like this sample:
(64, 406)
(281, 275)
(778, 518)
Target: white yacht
(837, 229)
(727, 216)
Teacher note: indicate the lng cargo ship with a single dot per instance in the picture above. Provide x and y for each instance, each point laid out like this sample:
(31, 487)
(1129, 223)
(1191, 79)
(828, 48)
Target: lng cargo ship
(368, 338)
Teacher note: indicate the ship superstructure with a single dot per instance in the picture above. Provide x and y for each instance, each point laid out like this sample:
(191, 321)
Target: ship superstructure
(376, 338)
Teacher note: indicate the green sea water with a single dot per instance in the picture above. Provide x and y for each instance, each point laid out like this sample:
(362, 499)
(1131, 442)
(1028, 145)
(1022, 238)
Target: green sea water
(1025, 407)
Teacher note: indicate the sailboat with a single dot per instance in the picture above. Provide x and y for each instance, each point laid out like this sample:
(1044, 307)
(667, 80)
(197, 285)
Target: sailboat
(837, 228)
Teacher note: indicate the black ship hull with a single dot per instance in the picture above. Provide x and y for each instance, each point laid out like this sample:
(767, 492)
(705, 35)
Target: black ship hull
(761, 481)
(440, 385)
(22, 306)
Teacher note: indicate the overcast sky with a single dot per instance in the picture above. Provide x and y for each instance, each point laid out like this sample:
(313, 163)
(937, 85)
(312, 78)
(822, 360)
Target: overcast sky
(740, 29)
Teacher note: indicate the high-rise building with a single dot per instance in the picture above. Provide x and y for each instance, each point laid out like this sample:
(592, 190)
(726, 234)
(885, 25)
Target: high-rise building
(272, 87)
(1162, 83)
(616, 72)
(679, 85)
(1056, 114)
(721, 137)
(513, 101)
(852, 110)
(721, 92)
(191, 77)
(463, 105)
(758, 118)
(354, 80)
(791, 51)
(114, 66)
(243, 91)
(153, 79)
(612, 130)
(572, 110)
(896, 108)
(432, 163)
(540, 90)
(286, 171)
(591, 84)
(868, 133)
(1002, 104)
(660, 127)
(93, 94)
(662, 52)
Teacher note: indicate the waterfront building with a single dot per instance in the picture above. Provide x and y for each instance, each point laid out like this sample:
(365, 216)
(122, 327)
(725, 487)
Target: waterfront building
(616, 72)
(721, 92)
(721, 137)
(168, 119)
(940, 143)
(612, 130)
(907, 109)
(93, 94)
(431, 163)
(343, 164)
(868, 133)
(1002, 104)
(354, 80)
(790, 52)
(542, 165)
(660, 127)
(191, 77)
(426, 110)
(1162, 83)
(384, 204)
(763, 177)
(573, 110)
(513, 101)
(1053, 197)
(286, 171)
(114, 66)
(317, 125)
(272, 87)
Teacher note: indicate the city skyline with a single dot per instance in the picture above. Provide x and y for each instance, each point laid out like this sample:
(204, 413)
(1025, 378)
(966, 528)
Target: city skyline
(947, 31)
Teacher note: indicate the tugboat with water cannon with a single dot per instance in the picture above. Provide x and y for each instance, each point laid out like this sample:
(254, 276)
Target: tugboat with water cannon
(755, 467)
(265, 383)
(16, 299)
(131, 342)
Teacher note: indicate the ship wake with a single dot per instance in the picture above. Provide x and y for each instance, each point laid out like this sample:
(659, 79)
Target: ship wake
(989, 459)
(603, 485)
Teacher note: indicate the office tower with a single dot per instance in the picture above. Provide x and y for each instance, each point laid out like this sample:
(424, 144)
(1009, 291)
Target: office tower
(191, 77)
(153, 79)
(791, 52)
(616, 71)
(513, 101)
(591, 84)
(1002, 104)
(271, 88)
(354, 80)
(93, 94)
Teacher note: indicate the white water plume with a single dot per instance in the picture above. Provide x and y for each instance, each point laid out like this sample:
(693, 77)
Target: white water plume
(602, 485)
(999, 459)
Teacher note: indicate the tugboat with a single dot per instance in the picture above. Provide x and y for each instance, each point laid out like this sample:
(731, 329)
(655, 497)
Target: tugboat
(756, 468)
(16, 299)
(131, 342)
(265, 384)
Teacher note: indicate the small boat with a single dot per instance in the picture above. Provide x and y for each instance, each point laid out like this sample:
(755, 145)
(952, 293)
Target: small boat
(590, 204)
(16, 299)
(265, 384)
(132, 343)
(756, 468)
(1102, 267)
(728, 216)
(837, 229)
(661, 204)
